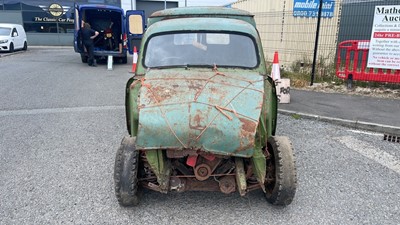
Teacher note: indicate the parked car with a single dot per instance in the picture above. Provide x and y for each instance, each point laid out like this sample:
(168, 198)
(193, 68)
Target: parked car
(12, 37)
(116, 30)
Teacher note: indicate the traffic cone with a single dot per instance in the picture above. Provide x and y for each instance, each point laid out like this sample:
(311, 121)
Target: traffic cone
(275, 73)
(282, 85)
(135, 58)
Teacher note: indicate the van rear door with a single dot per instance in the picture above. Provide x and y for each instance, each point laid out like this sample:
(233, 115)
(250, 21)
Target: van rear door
(77, 27)
(135, 27)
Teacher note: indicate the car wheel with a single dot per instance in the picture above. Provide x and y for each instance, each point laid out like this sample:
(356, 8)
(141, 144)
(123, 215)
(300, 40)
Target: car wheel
(11, 49)
(25, 46)
(126, 173)
(280, 179)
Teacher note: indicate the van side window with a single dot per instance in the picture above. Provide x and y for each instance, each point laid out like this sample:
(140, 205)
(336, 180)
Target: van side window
(14, 33)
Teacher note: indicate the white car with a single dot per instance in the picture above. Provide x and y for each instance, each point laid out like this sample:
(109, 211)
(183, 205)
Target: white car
(12, 37)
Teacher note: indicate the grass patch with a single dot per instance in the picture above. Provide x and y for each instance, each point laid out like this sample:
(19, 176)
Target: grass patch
(296, 116)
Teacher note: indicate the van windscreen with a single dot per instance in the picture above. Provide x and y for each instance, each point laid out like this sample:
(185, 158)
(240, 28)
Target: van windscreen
(5, 31)
(201, 49)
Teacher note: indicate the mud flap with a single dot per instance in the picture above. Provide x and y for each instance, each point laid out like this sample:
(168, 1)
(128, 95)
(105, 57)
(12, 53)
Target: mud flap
(160, 167)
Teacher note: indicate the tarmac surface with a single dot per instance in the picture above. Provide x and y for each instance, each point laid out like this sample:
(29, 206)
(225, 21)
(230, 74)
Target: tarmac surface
(359, 112)
(61, 123)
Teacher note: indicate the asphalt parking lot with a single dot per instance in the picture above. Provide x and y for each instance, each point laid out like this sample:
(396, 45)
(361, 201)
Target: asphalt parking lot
(62, 121)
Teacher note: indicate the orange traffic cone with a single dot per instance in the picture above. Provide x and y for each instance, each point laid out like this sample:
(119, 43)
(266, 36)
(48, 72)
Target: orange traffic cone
(275, 73)
(135, 58)
(282, 85)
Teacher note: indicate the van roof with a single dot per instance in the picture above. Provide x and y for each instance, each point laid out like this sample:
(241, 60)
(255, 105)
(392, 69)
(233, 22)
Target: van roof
(201, 24)
(210, 11)
(99, 6)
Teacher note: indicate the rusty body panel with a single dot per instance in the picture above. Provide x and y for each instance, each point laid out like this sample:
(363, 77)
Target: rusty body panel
(202, 110)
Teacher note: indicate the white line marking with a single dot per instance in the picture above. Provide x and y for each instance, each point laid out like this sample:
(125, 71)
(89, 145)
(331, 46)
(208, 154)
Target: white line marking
(58, 110)
(379, 156)
(364, 132)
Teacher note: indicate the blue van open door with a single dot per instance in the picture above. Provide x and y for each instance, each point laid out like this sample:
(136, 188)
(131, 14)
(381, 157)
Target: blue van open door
(135, 27)
(110, 22)
(119, 32)
(78, 45)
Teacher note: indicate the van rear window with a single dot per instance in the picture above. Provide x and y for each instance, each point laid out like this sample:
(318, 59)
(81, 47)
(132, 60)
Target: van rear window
(201, 49)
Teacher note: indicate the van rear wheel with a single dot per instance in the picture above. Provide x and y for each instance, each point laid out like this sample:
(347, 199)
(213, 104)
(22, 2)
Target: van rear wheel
(124, 60)
(25, 46)
(126, 173)
(281, 179)
(84, 58)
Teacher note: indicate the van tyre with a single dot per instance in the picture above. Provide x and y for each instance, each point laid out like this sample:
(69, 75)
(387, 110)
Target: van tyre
(126, 173)
(84, 58)
(11, 49)
(280, 180)
(25, 46)
(124, 60)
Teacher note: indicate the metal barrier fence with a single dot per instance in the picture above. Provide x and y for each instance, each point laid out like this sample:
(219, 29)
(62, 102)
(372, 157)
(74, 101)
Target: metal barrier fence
(292, 33)
(354, 65)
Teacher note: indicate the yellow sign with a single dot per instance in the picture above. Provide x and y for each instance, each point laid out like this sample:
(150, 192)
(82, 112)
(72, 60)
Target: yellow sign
(56, 9)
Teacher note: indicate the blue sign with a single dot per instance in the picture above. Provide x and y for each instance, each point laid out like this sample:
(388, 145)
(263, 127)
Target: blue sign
(309, 8)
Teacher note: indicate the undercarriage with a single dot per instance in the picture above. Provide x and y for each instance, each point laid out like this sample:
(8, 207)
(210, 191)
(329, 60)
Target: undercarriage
(194, 170)
(199, 171)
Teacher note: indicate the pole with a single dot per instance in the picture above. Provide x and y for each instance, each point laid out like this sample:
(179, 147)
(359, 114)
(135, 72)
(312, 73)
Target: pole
(316, 42)
(165, 4)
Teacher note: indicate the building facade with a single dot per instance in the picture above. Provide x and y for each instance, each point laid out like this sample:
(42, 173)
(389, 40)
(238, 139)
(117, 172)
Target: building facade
(51, 22)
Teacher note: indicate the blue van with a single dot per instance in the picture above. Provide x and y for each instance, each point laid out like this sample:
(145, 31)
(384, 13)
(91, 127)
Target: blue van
(117, 30)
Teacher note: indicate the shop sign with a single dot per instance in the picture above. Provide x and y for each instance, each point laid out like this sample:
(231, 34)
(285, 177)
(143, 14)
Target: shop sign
(310, 8)
(49, 19)
(384, 49)
(56, 10)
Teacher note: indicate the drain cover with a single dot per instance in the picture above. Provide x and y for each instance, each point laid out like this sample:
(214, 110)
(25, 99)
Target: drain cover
(391, 138)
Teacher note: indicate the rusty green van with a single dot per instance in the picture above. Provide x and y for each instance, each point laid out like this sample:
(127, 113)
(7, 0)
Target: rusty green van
(201, 111)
